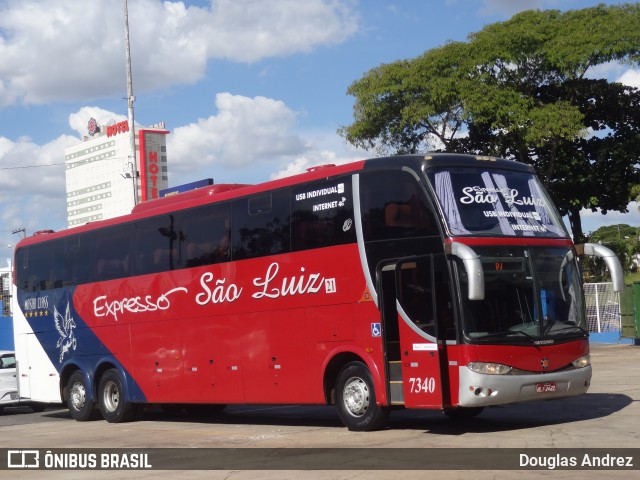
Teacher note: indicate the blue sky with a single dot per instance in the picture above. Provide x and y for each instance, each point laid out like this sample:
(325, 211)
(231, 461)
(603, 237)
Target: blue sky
(250, 89)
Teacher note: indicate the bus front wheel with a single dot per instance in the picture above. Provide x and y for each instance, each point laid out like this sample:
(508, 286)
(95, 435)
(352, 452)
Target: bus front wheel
(80, 407)
(356, 399)
(113, 406)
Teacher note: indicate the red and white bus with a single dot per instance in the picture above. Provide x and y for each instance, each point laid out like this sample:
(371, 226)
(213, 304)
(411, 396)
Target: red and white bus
(441, 281)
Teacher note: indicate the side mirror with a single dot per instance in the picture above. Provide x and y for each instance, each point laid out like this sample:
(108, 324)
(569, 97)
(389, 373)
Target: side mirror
(472, 265)
(610, 259)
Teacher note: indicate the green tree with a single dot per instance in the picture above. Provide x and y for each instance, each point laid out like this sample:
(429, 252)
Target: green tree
(396, 112)
(519, 89)
(622, 239)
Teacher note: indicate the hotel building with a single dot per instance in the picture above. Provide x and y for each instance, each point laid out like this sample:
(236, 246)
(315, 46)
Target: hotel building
(100, 174)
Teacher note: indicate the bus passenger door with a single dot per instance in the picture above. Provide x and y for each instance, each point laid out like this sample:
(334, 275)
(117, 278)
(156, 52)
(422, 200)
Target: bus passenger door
(415, 374)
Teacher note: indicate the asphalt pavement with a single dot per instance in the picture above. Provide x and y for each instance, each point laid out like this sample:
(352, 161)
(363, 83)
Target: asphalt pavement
(605, 421)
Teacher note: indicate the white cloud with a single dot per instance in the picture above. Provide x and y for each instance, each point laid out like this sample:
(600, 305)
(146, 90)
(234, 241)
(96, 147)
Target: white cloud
(247, 140)
(32, 182)
(631, 78)
(310, 159)
(608, 70)
(57, 50)
(28, 167)
(591, 221)
(78, 120)
(323, 148)
(244, 133)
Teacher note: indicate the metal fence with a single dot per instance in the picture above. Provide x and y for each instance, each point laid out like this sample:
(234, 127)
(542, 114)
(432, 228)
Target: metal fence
(603, 308)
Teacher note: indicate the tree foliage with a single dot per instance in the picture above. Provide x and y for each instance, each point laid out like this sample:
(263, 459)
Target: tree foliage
(522, 89)
(623, 239)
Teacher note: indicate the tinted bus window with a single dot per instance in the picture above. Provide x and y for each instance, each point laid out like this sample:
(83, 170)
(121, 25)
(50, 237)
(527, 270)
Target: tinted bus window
(394, 206)
(35, 267)
(77, 256)
(322, 214)
(54, 264)
(261, 225)
(112, 253)
(205, 235)
(155, 244)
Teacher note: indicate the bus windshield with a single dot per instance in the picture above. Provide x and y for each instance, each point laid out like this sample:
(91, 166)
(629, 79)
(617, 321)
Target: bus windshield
(482, 201)
(532, 295)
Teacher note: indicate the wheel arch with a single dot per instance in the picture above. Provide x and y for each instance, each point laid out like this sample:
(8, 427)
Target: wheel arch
(65, 374)
(109, 364)
(337, 362)
(92, 376)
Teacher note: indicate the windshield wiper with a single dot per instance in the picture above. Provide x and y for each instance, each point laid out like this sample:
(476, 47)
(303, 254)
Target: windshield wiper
(568, 327)
(507, 333)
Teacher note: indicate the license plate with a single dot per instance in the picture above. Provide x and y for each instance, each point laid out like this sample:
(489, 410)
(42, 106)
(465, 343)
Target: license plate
(546, 387)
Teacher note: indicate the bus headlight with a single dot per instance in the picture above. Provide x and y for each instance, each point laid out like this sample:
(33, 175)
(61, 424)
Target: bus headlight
(582, 362)
(489, 368)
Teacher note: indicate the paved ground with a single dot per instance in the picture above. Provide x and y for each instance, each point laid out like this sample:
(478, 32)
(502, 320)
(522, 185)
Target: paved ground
(608, 417)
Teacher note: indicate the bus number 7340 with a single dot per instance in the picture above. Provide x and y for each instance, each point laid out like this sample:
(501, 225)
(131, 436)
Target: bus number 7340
(422, 385)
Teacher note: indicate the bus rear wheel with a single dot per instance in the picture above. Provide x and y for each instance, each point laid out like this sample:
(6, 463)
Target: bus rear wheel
(80, 406)
(356, 399)
(111, 400)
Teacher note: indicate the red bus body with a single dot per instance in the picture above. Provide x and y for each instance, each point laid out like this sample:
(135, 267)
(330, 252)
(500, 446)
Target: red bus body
(365, 320)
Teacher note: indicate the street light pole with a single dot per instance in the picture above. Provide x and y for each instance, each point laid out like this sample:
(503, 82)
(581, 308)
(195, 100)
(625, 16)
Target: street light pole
(130, 100)
(20, 231)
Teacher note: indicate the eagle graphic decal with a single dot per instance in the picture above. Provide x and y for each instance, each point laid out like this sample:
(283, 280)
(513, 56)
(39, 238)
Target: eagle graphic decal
(65, 326)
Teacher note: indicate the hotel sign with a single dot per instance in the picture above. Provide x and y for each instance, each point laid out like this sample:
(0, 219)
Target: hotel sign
(116, 128)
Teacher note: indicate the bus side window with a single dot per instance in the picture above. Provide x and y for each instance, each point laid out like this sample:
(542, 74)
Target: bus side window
(394, 206)
(112, 250)
(396, 215)
(322, 220)
(155, 240)
(25, 278)
(261, 225)
(20, 266)
(425, 296)
(204, 235)
(415, 293)
(77, 256)
(39, 271)
(443, 301)
(59, 267)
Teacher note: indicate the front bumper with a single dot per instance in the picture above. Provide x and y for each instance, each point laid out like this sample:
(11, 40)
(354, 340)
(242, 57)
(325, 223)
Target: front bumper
(477, 390)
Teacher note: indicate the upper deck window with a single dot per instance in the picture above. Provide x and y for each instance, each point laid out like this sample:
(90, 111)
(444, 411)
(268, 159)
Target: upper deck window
(260, 225)
(394, 207)
(322, 214)
(478, 201)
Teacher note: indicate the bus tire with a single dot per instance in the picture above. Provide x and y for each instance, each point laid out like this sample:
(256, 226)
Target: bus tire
(113, 406)
(80, 407)
(356, 399)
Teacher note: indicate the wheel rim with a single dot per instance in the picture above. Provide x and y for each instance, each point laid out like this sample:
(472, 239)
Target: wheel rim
(356, 396)
(78, 395)
(111, 396)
